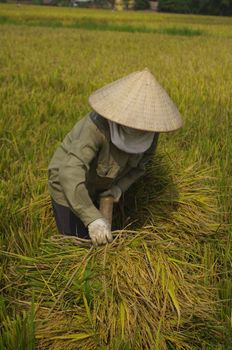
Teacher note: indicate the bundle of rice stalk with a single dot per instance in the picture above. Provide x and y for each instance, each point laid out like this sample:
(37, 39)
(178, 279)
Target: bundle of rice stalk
(144, 291)
(172, 198)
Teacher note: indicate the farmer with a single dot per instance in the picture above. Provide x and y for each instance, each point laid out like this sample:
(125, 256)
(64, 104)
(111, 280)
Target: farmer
(106, 152)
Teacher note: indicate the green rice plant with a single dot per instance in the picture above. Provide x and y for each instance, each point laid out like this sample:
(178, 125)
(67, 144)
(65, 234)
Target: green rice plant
(18, 332)
(103, 25)
(186, 31)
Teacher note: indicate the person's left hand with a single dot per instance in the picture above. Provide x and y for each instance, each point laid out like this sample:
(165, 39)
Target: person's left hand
(115, 191)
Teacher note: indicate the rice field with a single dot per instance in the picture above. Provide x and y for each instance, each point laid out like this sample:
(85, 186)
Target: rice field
(165, 282)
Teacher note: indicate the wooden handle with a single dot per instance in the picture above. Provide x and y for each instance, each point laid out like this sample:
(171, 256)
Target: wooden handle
(106, 208)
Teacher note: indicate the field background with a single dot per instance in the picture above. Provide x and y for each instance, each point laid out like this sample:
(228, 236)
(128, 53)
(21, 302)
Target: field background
(51, 59)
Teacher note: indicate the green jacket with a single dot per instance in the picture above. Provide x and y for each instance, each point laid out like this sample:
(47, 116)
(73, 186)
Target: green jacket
(87, 163)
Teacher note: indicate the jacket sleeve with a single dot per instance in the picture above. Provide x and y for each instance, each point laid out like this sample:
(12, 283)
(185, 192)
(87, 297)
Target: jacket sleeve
(72, 173)
(135, 173)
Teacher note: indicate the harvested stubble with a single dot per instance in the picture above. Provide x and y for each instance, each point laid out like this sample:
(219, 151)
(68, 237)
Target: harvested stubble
(146, 290)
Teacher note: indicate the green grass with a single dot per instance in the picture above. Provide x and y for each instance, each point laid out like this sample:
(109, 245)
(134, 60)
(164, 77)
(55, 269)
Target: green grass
(179, 240)
(91, 24)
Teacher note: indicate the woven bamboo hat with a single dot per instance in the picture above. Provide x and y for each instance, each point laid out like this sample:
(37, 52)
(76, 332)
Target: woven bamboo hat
(137, 101)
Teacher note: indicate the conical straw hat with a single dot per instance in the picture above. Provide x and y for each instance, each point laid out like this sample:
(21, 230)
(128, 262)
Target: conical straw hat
(137, 101)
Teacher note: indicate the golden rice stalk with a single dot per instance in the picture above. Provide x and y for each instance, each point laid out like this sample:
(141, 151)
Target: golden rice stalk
(146, 290)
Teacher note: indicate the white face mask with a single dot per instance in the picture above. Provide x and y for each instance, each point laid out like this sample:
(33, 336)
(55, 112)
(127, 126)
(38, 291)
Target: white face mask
(130, 140)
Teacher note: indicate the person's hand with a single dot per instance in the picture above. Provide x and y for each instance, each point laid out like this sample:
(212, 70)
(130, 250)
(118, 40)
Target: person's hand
(100, 232)
(115, 191)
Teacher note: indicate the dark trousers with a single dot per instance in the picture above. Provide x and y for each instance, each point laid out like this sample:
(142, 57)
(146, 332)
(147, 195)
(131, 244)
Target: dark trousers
(67, 222)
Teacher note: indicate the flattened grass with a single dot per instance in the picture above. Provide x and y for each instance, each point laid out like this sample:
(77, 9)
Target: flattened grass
(145, 290)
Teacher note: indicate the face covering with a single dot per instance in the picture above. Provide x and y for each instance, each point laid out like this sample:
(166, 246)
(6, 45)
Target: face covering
(130, 140)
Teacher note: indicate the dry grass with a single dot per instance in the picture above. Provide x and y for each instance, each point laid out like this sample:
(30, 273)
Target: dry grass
(145, 290)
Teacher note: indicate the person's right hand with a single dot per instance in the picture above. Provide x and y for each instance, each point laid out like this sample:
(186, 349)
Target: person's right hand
(100, 232)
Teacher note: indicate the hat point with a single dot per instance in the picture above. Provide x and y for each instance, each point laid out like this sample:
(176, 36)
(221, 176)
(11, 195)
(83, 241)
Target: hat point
(146, 71)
